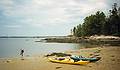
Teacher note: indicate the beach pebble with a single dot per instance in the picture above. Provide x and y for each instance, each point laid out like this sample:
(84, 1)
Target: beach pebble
(22, 59)
(112, 56)
(8, 61)
(58, 67)
(90, 66)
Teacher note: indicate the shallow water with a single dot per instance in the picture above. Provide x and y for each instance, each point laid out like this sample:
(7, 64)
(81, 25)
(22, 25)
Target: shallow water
(10, 47)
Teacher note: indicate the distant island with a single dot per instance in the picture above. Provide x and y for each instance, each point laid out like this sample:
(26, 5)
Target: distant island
(32, 36)
(20, 37)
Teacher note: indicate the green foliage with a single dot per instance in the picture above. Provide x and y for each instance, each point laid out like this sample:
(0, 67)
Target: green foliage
(93, 24)
(77, 31)
(97, 24)
(114, 21)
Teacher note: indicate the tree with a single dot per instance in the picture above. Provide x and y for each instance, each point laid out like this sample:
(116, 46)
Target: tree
(114, 21)
(94, 24)
(74, 31)
(79, 30)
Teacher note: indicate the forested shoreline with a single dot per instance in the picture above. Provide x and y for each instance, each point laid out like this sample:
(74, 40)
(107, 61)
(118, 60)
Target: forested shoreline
(100, 24)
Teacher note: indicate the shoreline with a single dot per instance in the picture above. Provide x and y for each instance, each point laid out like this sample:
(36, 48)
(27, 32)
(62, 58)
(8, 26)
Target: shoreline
(94, 40)
(67, 51)
(110, 61)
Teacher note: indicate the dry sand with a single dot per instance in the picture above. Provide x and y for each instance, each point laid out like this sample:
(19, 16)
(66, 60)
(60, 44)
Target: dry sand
(110, 61)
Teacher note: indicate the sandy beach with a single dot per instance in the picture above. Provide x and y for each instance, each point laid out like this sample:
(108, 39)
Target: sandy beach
(110, 61)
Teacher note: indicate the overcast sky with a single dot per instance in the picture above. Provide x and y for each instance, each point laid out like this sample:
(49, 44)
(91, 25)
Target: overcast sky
(46, 17)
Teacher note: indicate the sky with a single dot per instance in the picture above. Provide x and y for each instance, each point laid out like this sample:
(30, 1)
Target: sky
(46, 17)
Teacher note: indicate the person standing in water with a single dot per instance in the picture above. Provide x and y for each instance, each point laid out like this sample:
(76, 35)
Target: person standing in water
(22, 52)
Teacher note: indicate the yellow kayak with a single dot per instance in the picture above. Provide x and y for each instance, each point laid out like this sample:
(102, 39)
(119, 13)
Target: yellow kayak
(68, 61)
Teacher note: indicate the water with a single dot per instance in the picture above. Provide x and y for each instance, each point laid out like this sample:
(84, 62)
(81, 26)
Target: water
(10, 47)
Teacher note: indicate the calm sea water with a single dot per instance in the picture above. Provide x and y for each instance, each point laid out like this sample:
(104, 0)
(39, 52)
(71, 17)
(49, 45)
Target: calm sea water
(10, 47)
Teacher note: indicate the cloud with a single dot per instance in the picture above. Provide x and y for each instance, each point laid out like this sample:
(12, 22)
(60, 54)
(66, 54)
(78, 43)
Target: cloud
(51, 10)
(13, 26)
(49, 13)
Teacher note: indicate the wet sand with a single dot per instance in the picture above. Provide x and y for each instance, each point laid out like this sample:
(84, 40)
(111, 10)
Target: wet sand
(110, 61)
